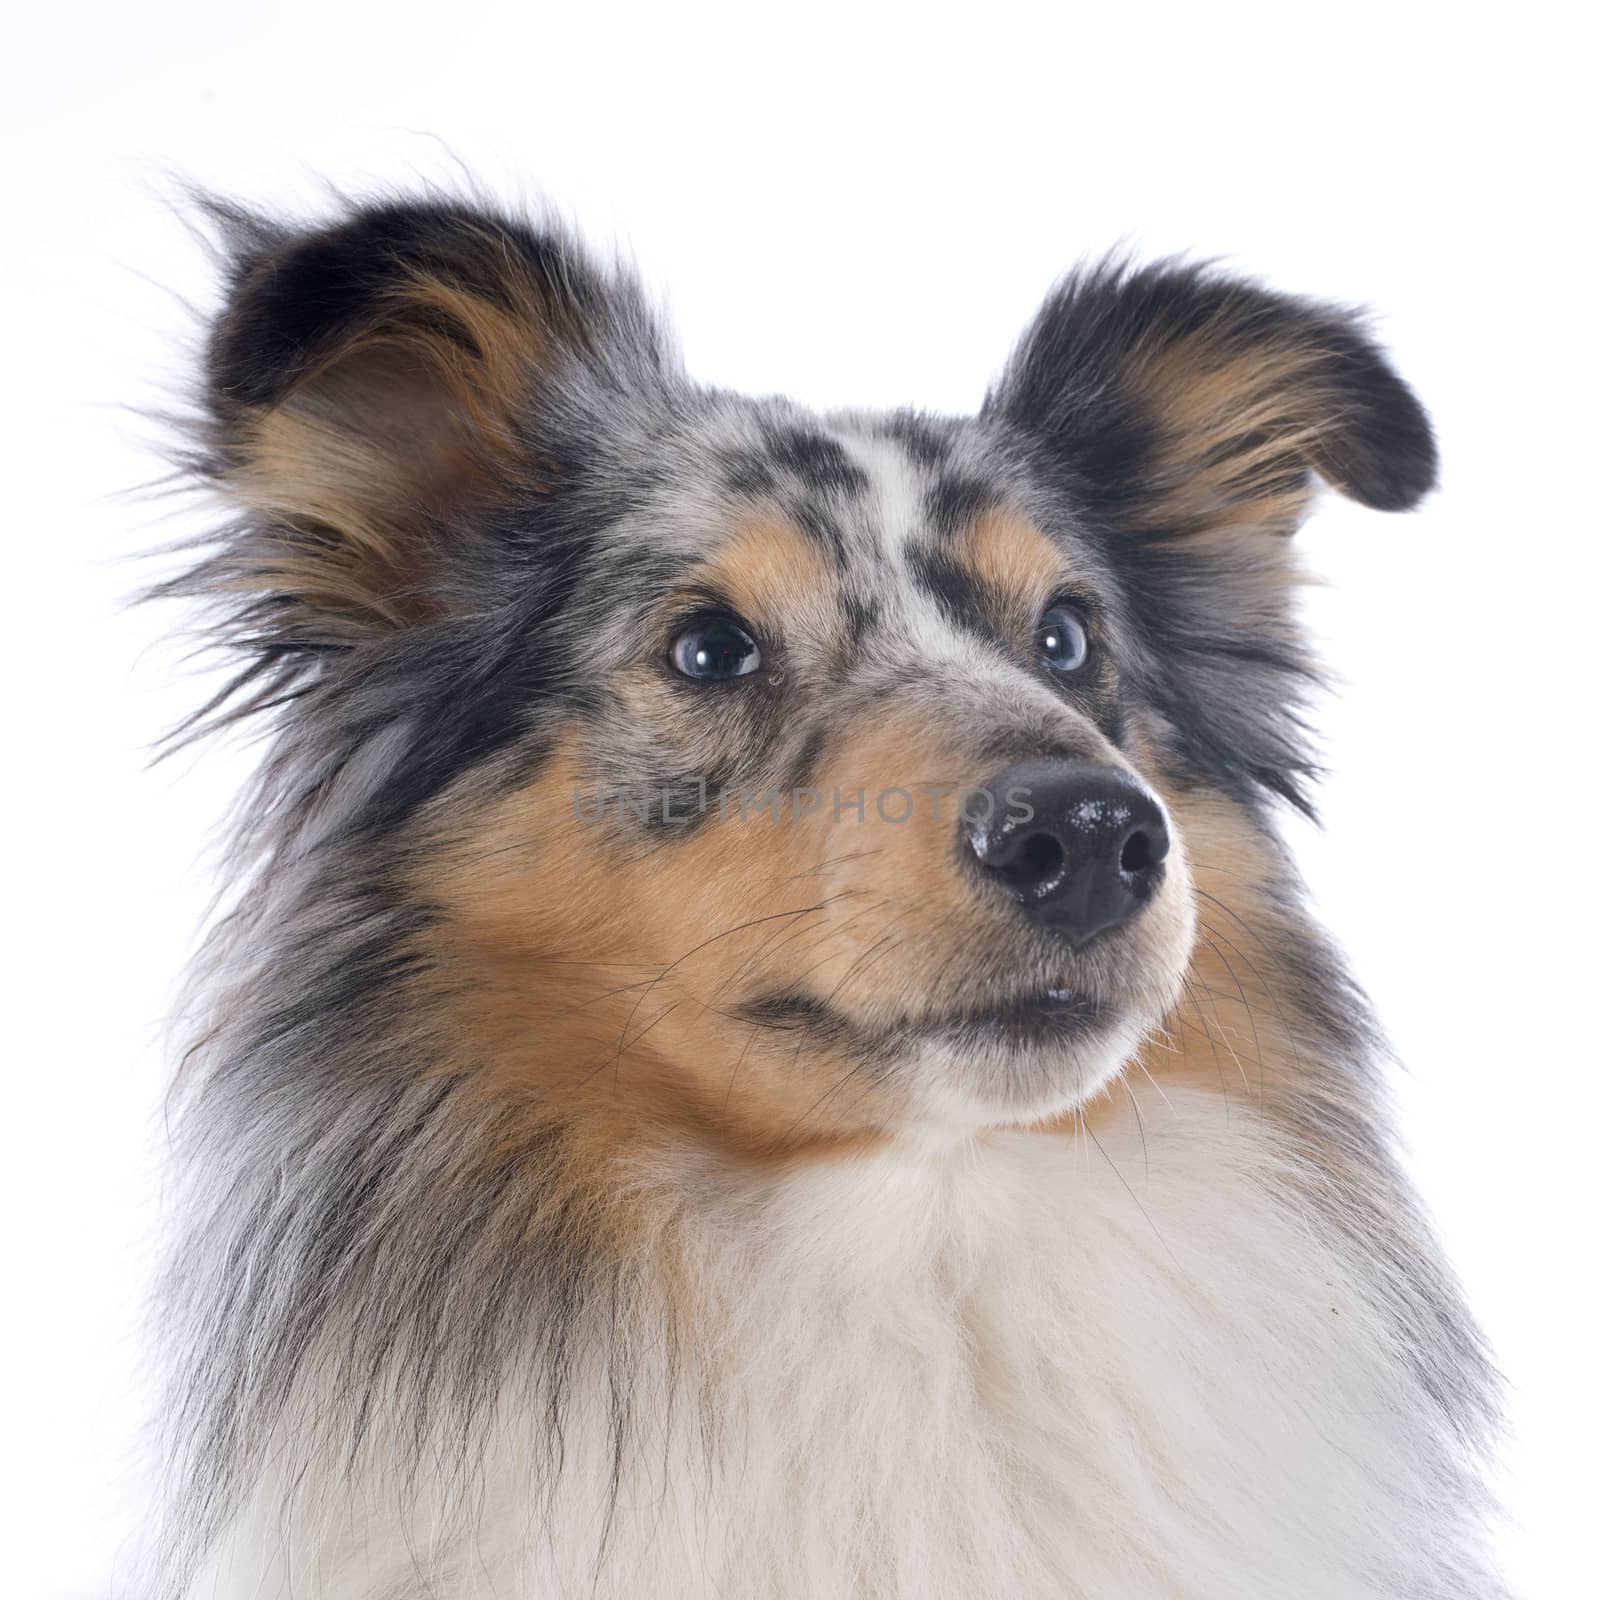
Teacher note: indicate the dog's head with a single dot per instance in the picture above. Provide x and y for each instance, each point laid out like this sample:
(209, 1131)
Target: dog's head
(794, 776)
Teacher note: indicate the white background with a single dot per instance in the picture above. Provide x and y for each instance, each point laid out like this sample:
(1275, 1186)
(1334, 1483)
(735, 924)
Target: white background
(853, 206)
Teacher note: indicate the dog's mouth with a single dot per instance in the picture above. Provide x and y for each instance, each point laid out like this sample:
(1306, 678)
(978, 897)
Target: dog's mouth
(996, 1055)
(1030, 1020)
(1042, 1017)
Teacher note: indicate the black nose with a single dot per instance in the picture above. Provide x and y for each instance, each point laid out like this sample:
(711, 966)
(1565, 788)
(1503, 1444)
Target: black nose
(1078, 845)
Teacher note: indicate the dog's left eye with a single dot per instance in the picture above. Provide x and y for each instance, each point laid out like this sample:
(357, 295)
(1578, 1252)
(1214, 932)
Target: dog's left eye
(1062, 639)
(714, 649)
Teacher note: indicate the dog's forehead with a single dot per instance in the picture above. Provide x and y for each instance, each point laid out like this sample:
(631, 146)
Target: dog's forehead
(868, 492)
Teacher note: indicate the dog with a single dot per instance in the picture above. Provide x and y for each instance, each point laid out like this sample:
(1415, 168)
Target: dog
(766, 1041)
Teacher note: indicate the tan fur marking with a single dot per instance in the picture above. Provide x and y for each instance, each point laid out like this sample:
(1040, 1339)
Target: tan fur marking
(1010, 554)
(767, 568)
(627, 1021)
(1234, 1031)
(622, 1023)
(1237, 422)
(404, 419)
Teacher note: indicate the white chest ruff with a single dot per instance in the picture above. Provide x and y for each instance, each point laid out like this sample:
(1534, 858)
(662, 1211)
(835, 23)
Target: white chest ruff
(1038, 1366)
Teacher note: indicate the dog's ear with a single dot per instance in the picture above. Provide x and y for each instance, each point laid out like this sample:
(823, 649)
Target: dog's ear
(1175, 401)
(378, 387)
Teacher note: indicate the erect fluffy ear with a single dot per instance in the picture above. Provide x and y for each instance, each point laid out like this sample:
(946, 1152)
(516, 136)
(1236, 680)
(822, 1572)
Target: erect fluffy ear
(377, 388)
(1175, 401)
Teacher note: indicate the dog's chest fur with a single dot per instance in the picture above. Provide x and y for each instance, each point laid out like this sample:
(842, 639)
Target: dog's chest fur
(1122, 1366)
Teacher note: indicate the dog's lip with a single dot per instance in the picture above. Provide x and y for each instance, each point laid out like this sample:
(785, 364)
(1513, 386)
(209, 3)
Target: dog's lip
(1045, 1013)
(1046, 1018)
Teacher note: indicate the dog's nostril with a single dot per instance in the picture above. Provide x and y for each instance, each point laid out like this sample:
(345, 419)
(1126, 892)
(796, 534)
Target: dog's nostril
(1039, 859)
(1136, 852)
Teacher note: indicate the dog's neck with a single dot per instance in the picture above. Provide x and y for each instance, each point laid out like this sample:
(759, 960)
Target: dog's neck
(1034, 1356)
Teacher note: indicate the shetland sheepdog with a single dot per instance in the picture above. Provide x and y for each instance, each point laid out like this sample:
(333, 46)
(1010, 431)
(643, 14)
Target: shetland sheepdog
(766, 1042)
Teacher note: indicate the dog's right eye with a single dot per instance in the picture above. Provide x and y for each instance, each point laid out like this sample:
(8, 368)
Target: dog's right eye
(715, 649)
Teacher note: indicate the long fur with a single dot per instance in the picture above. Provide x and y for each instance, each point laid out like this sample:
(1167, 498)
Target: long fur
(545, 1227)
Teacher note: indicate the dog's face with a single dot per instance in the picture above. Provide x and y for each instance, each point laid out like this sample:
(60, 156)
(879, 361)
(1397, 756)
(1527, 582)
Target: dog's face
(843, 790)
(798, 777)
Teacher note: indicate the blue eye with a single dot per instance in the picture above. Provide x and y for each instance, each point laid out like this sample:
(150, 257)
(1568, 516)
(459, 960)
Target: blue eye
(1062, 640)
(714, 649)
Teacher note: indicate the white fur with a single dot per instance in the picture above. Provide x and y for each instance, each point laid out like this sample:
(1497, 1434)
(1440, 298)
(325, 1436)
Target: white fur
(1023, 1365)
